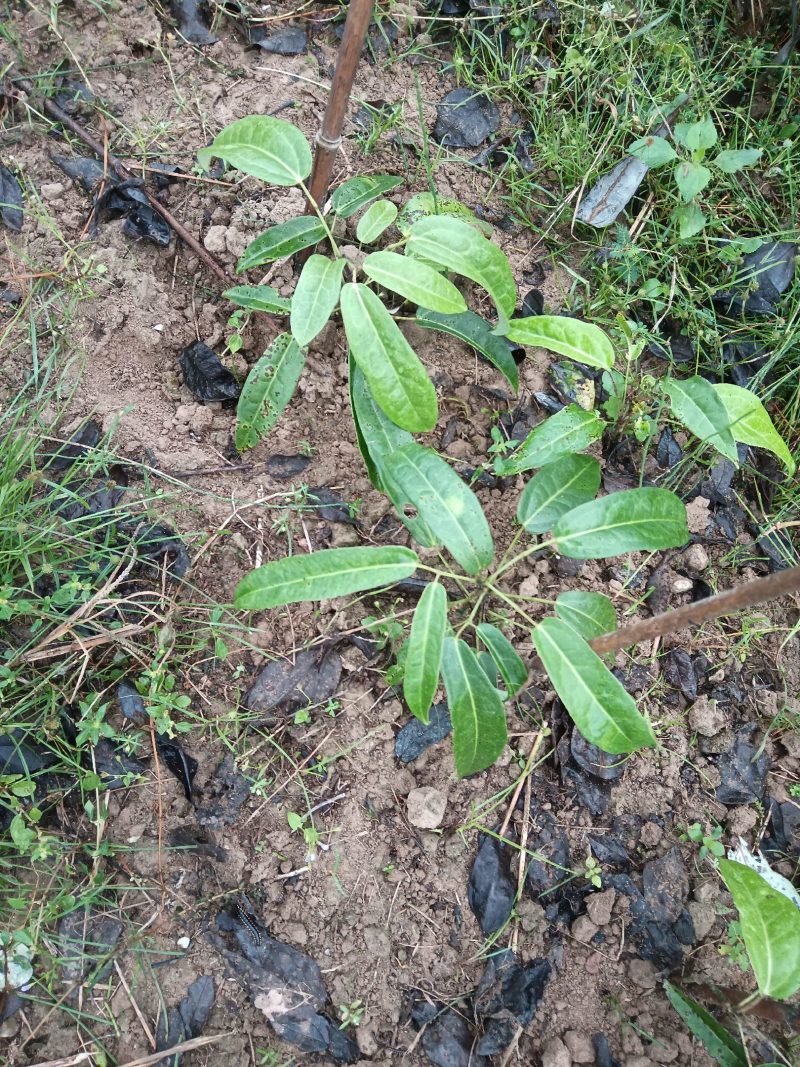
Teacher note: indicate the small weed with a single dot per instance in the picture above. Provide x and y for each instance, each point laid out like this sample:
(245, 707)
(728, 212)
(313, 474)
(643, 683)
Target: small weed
(710, 843)
(351, 1014)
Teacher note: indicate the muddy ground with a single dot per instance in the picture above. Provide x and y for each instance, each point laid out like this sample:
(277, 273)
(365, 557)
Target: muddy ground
(381, 904)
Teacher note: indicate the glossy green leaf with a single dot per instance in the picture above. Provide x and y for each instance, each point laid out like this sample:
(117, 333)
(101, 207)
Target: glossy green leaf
(269, 387)
(652, 150)
(445, 504)
(323, 575)
(396, 377)
(377, 218)
(512, 670)
(589, 614)
(573, 338)
(415, 281)
(267, 148)
(604, 713)
(691, 179)
(457, 246)
(770, 928)
(697, 405)
(715, 1039)
(477, 333)
(315, 297)
(259, 298)
(356, 193)
(634, 520)
(423, 205)
(559, 487)
(689, 219)
(479, 720)
(736, 159)
(378, 437)
(750, 422)
(570, 430)
(281, 241)
(424, 655)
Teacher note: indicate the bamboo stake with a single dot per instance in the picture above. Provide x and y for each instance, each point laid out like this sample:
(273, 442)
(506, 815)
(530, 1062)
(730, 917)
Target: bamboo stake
(329, 138)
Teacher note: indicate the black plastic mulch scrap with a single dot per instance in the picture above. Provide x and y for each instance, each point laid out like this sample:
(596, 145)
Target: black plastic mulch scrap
(743, 770)
(286, 41)
(491, 891)
(761, 279)
(178, 762)
(10, 200)
(415, 737)
(465, 119)
(128, 198)
(192, 21)
(86, 941)
(205, 376)
(186, 1021)
(288, 988)
(283, 686)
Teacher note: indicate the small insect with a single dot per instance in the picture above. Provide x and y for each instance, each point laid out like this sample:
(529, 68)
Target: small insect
(248, 924)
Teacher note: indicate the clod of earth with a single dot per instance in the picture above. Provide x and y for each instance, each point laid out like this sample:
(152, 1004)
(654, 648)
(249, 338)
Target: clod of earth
(425, 807)
(205, 376)
(187, 1020)
(465, 119)
(413, 738)
(283, 686)
(761, 279)
(743, 771)
(191, 19)
(10, 200)
(288, 41)
(492, 891)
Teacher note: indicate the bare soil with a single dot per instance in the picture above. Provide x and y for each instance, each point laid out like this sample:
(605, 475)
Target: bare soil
(382, 906)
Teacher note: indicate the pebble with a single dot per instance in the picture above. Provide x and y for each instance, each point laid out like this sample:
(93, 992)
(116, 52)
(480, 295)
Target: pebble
(703, 917)
(695, 558)
(599, 906)
(682, 585)
(638, 1061)
(580, 1047)
(51, 190)
(214, 239)
(741, 821)
(556, 1054)
(426, 807)
(642, 973)
(583, 929)
(663, 1051)
(705, 717)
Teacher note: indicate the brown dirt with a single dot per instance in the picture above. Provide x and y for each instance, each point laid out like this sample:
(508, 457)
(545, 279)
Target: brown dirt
(383, 908)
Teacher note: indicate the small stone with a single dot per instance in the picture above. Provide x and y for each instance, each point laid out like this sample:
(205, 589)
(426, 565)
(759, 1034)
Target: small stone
(741, 821)
(343, 536)
(695, 558)
(183, 942)
(426, 807)
(643, 973)
(651, 834)
(583, 929)
(600, 905)
(556, 1054)
(703, 918)
(638, 1061)
(697, 515)
(663, 1051)
(706, 718)
(682, 585)
(214, 239)
(580, 1047)
(51, 190)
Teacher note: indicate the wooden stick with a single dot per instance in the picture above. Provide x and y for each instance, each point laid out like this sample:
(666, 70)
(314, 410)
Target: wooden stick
(329, 138)
(54, 112)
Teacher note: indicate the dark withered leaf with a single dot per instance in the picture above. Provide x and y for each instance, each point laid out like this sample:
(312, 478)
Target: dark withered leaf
(10, 200)
(205, 376)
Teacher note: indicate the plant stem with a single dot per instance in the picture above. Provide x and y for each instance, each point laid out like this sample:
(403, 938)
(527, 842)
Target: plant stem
(514, 607)
(316, 209)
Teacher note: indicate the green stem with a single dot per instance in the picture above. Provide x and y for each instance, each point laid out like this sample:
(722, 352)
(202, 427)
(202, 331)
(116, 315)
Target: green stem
(315, 208)
(508, 565)
(514, 607)
(468, 621)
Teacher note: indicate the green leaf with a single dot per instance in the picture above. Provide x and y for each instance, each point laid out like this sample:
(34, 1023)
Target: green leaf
(281, 241)
(702, 411)
(415, 281)
(424, 655)
(770, 929)
(736, 159)
(604, 713)
(652, 150)
(696, 135)
(459, 247)
(356, 193)
(691, 179)
(512, 670)
(689, 219)
(715, 1039)
(270, 149)
(750, 423)
(423, 205)
(377, 218)
(396, 377)
(477, 333)
(259, 298)
(323, 575)
(589, 614)
(634, 520)
(315, 297)
(570, 430)
(559, 487)
(269, 387)
(581, 341)
(479, 720)
(378, 437)
(445, 504)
